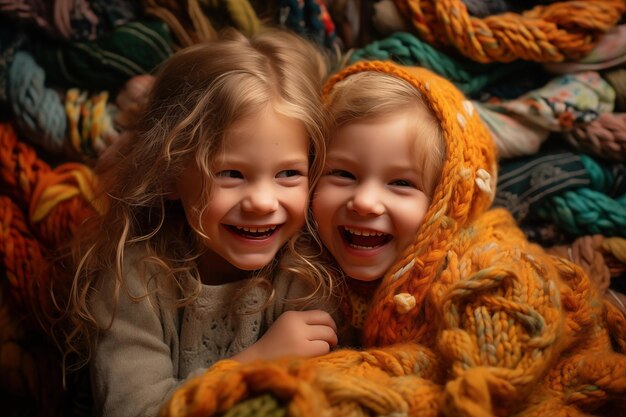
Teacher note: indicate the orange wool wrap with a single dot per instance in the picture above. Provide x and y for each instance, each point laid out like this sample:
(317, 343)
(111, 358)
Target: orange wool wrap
(472, 320)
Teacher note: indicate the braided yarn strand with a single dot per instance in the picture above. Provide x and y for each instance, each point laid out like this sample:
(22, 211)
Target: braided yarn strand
(21, 254)
(406, 49)
(565, 30)
(62, 200)
(20, 169)
(604, 136)
(38, 109)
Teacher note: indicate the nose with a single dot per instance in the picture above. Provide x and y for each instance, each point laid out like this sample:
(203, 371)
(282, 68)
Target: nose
(260, 198)
(366, 201)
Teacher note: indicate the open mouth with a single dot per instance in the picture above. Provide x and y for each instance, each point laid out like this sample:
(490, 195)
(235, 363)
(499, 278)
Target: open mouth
(253, 232)
(364, 239)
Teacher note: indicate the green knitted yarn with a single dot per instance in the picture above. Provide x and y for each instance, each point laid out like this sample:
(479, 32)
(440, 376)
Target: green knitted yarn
(406, 49)
(585, 212)
(106, 63)
(588, 210)
(262, 406)
(601, 176)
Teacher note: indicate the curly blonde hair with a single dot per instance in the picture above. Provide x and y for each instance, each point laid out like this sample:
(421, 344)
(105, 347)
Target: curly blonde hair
(198, 94)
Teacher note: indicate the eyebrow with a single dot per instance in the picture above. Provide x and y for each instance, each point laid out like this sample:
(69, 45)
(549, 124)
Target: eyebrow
(349, 160)
(247, 161)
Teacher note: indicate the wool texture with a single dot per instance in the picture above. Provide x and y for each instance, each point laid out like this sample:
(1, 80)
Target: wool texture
(472, 319)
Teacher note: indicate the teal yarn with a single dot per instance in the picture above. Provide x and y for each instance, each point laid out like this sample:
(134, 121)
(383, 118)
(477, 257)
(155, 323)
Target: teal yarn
(39, 112)
(592, 209)
(585, 212)
(601, 177)
(406, 49)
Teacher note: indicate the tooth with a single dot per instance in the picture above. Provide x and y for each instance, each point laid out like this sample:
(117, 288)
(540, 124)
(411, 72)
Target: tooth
(362, 247)
(357, 232)
(256, 229)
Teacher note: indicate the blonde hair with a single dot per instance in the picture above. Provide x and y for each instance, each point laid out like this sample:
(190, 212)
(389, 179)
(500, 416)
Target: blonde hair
(198, 95)
(371, 96)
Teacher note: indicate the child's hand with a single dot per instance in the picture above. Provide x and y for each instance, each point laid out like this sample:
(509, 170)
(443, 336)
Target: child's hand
(302, 333)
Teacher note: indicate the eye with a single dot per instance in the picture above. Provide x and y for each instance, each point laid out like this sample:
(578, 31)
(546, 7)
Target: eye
(288, 173)
(340, 173)
(402, 183)
(230, 173)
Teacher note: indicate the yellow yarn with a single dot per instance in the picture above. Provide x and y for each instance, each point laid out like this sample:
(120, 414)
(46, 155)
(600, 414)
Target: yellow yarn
(617, 246)
(77, 179)
(90, 126)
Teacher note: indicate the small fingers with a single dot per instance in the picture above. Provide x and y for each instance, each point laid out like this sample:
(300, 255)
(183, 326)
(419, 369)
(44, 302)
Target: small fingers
(316, 348)
(323, 333)
(319, 317)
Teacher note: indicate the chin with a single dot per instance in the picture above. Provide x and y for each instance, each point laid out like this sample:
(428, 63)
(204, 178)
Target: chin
(253, 265)
(364, 276)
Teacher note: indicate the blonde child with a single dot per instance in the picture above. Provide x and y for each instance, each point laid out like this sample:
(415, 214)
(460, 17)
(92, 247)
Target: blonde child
(207, 199)
(459, 314)
(385, 156)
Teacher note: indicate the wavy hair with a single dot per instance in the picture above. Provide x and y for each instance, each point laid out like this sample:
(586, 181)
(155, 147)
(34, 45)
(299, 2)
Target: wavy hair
(198, 94)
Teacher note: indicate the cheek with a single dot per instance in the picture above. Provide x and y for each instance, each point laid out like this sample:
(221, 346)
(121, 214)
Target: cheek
(220, 205)
(326, 203)
(322, 205)
(297, 202)
(409, 218)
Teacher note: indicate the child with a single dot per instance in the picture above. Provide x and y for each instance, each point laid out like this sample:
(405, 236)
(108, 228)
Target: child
(384, 157)
(208, 194)
(460, 314)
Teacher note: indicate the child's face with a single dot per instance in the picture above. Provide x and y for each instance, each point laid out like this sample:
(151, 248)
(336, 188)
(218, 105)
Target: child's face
(367, 205)
(260, 194)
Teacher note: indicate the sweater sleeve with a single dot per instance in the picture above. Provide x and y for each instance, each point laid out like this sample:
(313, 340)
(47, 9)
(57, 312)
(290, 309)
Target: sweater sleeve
(132, 371)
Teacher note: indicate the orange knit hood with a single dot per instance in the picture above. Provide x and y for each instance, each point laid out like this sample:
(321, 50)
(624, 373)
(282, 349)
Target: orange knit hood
(465, 191)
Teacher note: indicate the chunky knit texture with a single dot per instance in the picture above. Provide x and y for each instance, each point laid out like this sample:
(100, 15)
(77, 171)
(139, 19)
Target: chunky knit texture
(473, 319)
(559, 31)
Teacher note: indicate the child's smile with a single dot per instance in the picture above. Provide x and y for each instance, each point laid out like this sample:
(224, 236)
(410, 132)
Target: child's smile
(254, 232)
(364, 239)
